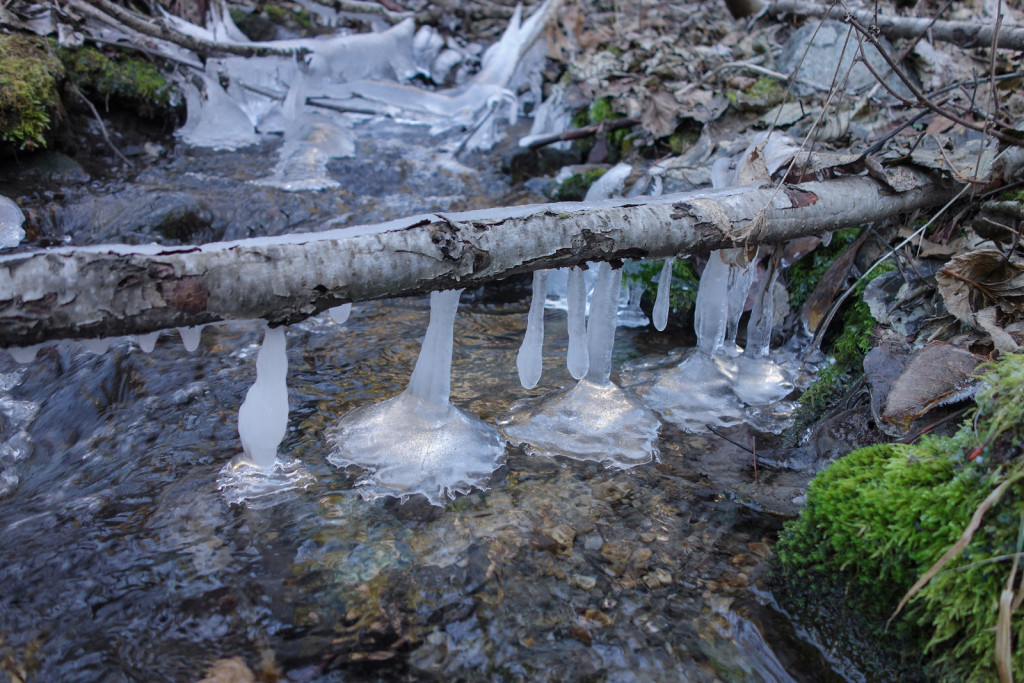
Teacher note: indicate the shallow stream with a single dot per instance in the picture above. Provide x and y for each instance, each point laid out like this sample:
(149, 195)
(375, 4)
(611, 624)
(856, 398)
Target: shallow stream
(120, 560)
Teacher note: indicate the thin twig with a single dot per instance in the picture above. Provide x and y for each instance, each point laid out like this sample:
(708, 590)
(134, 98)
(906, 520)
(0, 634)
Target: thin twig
(921, 97)
(585, 131)
(103, 127)
(734, 443)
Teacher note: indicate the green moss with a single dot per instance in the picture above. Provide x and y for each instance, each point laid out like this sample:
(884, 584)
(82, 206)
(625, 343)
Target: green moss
(880, 517)
(30, 76)
(766, 88)
(847, 351)
(117, 76)
(574, 188)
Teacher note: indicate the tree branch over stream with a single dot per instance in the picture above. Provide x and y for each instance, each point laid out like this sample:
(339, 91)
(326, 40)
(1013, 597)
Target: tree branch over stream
(962, 33)
(115, 290)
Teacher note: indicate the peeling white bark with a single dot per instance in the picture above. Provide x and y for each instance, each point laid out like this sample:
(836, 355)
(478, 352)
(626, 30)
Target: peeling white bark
(116, 289)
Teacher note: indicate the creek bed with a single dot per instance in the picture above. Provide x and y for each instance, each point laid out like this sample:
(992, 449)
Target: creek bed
(120, 560)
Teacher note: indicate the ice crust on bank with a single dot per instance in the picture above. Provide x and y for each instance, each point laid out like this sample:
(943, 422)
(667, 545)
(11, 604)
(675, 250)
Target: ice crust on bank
(364, 73)
(418, 441)
(593, 419)
(11, 220)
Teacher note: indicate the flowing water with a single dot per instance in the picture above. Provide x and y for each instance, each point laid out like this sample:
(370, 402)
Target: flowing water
(121, 560)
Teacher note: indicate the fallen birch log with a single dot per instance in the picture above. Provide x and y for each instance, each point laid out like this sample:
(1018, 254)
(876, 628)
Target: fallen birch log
(112, 290)
(962, 33)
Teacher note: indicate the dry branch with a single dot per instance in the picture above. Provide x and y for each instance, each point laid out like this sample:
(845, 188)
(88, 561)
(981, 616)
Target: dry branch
(121, 18)
(962, 33)
(116, 290)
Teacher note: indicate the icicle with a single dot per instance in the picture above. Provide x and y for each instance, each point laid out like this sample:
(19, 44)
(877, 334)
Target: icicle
(418, 442)
(263, 417)
(759, 328)
(147, 342)
(593, 419)
(602, 322)
(530, 361)
(190, 337)
(740, 279)
(259, 477)
(340, 314)
(96, 346)
(712, 307)
(432, 376)
(24, 354)
(577, 360)
(661, 302)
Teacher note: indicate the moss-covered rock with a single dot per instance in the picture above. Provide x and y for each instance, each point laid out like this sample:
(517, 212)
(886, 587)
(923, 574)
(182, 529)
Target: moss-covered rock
(30, 80)
(880, 517)
(113, 75)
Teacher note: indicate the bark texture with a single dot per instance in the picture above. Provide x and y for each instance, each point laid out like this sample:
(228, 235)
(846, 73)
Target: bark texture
(962, 33)
(116, 290)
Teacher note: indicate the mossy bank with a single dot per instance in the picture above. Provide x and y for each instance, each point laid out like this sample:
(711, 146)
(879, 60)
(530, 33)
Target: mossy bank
(880, 517)
(40, 83)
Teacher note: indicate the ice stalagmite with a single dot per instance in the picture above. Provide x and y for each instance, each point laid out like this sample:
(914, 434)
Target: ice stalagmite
(695, 393)
(661, 301)
(263, 417)
(740, 279)
(530, 361)
(758, 380)
(593, 419)
(712, 307)
(258, 476)
(418, 442)
(577, 358)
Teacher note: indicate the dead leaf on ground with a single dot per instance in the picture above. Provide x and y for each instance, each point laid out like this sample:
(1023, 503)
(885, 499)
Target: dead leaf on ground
(659, 114)
(939, 374)
(831, 284)
(979, 279)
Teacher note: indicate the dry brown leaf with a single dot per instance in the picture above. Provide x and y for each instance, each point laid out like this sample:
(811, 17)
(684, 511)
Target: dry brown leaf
(230, 670)
(940, 373)
(987, 319)
(829, 287)
(979, 279)
(659, 114)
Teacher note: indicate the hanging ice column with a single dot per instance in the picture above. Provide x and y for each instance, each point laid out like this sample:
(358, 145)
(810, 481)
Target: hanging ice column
(258, 476)
(593, 419)
(418, 442)
(758, 380)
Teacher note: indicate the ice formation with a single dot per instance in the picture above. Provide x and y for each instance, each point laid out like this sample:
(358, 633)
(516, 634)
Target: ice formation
(577, 358)
(362, 73)
(258, 477)
(718, 383)
(11, 220)
(418, 442)
(340, 314)
(663, 298)
(191, 336)
(147, 342)
(593, 419)
(529, 362)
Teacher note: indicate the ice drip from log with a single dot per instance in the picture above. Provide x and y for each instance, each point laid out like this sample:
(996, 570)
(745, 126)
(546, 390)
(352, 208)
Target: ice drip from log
(418, 441)
(260, 476)
(593, 419)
